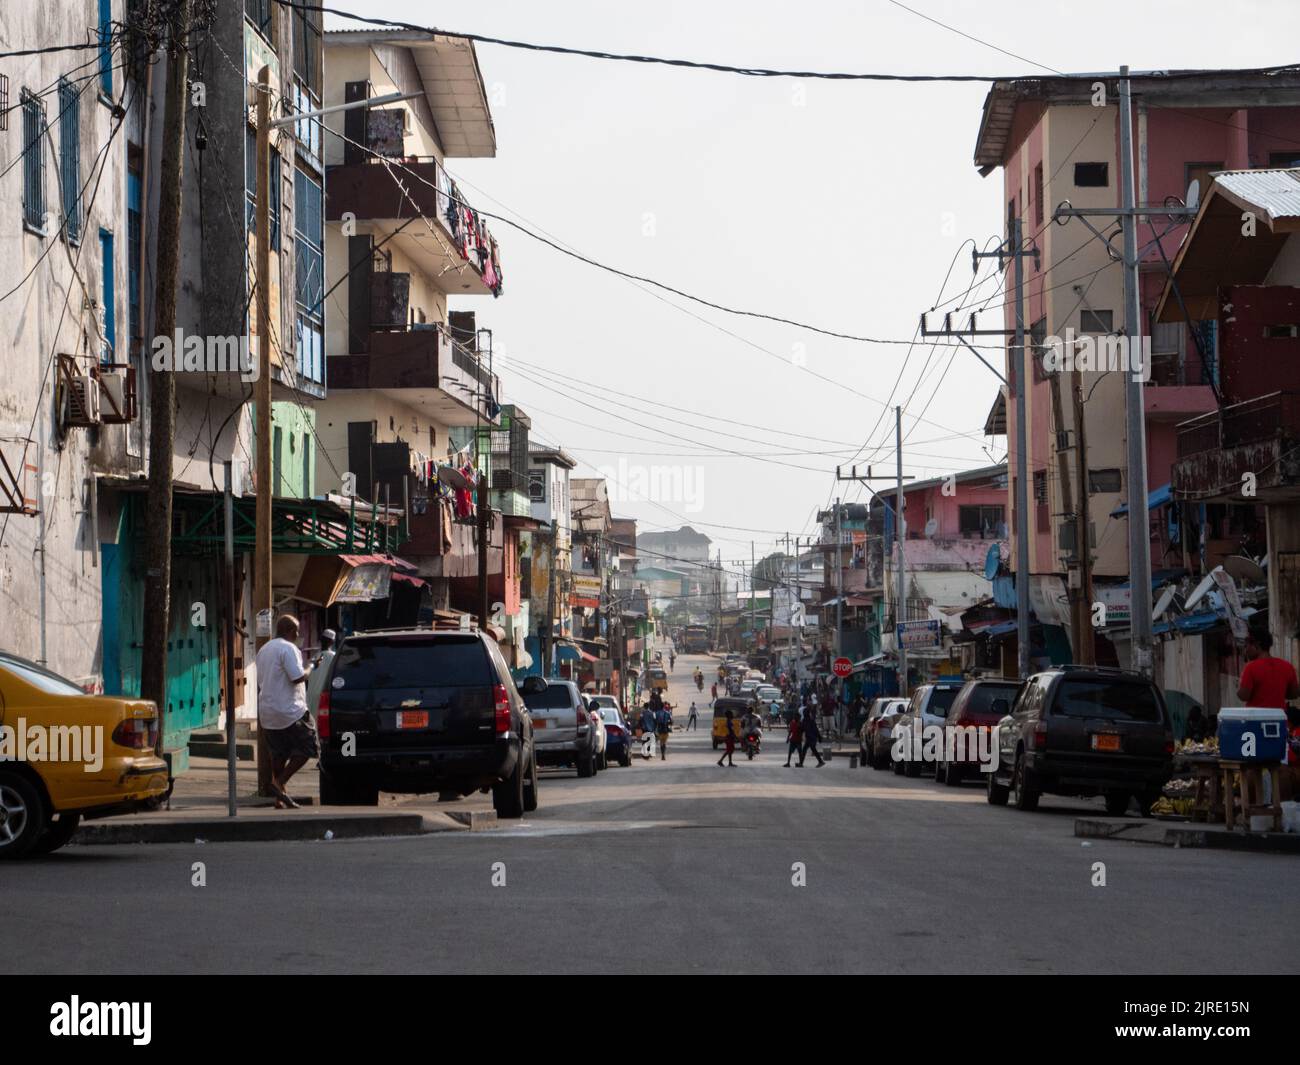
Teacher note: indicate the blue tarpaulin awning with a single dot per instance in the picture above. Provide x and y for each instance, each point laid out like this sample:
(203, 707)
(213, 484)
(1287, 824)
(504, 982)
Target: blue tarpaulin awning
(1157, 497)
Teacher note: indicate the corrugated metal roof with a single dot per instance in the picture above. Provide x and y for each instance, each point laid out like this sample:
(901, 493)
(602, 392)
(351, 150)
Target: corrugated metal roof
(1272, 193)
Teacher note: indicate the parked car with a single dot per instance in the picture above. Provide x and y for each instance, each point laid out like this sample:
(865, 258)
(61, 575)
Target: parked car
(1084, 730)
(617, 729)
(565, 735)
(597, 731)
(874, 736)
(929, 706)
(106, 759)
(421, 711)
(980, 704)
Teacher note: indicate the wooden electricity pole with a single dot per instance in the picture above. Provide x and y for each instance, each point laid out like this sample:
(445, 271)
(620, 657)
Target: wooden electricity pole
(162, 386)
(484, 531)
(1087, 650)
(1073, 593)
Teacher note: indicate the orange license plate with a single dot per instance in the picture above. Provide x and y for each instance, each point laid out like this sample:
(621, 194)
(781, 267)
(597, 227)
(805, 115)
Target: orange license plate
(1102, 741)
(413, 719)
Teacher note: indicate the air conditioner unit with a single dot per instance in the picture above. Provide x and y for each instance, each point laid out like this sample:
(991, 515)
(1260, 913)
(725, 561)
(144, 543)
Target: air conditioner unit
(503, 480)
(81, 401)
(117, 396)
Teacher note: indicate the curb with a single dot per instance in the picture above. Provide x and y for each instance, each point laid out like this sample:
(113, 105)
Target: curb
(254, 829)
(1147, 831)
(474, 820)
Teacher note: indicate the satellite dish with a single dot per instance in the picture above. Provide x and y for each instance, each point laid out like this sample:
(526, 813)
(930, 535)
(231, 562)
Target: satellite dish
(1193, 197)
(992, 560)
(1198, 593)
(1162, 604)
(931, 527)
(1244, 570)
(453, 478)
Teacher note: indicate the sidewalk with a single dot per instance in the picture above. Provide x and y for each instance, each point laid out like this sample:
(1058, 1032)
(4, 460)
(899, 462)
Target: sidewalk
(1185, 834)
(198, 811)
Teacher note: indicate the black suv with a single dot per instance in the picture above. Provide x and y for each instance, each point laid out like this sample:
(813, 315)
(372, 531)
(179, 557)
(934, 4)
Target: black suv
(419, 710)
(1084, 730)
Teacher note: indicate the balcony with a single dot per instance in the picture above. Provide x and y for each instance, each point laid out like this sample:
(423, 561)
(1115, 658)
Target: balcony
(427, 369)
(1260, 437)
(452, 246)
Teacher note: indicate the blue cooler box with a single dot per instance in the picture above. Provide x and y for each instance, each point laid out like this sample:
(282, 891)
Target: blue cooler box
(1268, 727)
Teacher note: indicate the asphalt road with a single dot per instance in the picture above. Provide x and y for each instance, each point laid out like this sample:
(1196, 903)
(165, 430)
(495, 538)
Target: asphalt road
(670, 866)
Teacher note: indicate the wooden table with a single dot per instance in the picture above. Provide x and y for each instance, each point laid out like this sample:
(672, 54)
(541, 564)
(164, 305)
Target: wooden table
(1207, 801)
(1244, 782)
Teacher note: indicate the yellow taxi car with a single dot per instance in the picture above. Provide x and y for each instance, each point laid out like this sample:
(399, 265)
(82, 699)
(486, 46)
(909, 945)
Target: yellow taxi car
(65, 755)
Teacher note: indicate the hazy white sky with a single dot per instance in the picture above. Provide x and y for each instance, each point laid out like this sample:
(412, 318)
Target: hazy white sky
(835, 203)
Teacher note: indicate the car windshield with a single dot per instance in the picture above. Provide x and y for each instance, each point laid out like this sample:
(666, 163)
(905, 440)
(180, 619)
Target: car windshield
(42, 679)
(1116, 700)
(444, 662)
(556, 697)
(981, 697)
(941, 699)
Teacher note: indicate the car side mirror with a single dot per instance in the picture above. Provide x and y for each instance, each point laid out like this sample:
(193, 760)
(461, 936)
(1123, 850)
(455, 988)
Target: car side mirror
(533, 684)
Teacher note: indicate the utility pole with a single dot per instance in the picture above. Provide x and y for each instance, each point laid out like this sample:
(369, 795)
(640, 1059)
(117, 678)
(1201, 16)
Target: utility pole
(263, 598)
(839, 579)
(1083, 531)
(753, 599)
(900, 508)
(1063, 476)
(162, 386)
(1139, 534)
(232, 755)
(1013, 248)
(548, 633)
(484, 531)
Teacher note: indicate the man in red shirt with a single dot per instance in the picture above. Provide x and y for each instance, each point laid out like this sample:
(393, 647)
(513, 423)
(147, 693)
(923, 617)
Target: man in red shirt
(1266, 681)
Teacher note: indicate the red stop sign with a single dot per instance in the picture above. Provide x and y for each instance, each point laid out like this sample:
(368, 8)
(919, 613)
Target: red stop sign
(842, 667)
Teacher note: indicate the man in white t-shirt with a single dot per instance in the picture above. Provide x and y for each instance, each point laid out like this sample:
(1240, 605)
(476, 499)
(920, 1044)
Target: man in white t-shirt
(282, 708)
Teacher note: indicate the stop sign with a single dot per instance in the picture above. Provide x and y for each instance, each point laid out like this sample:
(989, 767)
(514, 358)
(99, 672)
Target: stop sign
(842, 667)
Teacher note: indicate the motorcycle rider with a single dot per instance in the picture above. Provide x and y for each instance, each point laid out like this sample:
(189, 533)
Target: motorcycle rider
(751, 726)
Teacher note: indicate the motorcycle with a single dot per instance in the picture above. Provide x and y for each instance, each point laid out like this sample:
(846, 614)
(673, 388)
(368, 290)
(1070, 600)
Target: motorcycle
(753, 744)
(699, 681)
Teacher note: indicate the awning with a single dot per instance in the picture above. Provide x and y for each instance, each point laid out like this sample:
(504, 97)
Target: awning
(571, 652)
(1157, 497)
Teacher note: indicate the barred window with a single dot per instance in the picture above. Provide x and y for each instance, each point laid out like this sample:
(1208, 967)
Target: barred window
(33, 161)
(70, 160)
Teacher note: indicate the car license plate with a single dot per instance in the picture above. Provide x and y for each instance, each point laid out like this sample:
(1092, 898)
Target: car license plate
(413, 719)
(541, 722)
(1105, 741)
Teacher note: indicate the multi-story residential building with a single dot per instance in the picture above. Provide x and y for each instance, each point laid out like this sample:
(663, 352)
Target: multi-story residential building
(412, 392)
(849, 541)
(548, 552)
(591, 579)
(1055, 139)
(955, 533)
(1235, 496)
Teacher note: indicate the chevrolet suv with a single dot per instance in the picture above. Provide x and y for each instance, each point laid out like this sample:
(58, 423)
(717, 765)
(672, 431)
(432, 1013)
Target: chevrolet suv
(1084, 730)
(421, 710)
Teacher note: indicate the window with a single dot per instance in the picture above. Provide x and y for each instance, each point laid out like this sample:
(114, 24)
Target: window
(1041, 512)
(70, 160)
(1038, 348)
(537, 485)
(134, 234)
(1096, 322)
(1038, 194)
(1011, 216)
(277, 454)
(309, 273)
(33, 162)
(273, 187)
(1091, 175)
(108, 293)
(4, 102)
(984, 522)
(250, 188)
(1203, 175)
(259, 13)
(1104, 481)
(106, 47)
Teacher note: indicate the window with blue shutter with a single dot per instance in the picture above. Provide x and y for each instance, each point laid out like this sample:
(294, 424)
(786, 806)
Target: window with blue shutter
(108, 293)
(309, 272)
(106, 47)
(70, 160)
(33, 162)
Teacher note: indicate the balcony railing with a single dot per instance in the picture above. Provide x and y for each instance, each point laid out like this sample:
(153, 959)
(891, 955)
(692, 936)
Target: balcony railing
(1249, 422)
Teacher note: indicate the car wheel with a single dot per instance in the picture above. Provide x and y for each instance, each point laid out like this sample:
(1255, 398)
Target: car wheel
(1117, 803)
(911, 768)
(22, 815)
(586, 765)
(530, 787)
(337, 790)
(997, 792)
(508, 795)
(1024, 796)
(625, 759)
(57, 835)
(895, 765)
(952, 775)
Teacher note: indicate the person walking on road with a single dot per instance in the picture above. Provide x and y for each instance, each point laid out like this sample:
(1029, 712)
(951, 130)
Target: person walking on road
(713, 693)
(731, 741)
(793, 733)
(282, 709)
(811, 734)
(663, 726)
(693, 719)
(672, 661)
